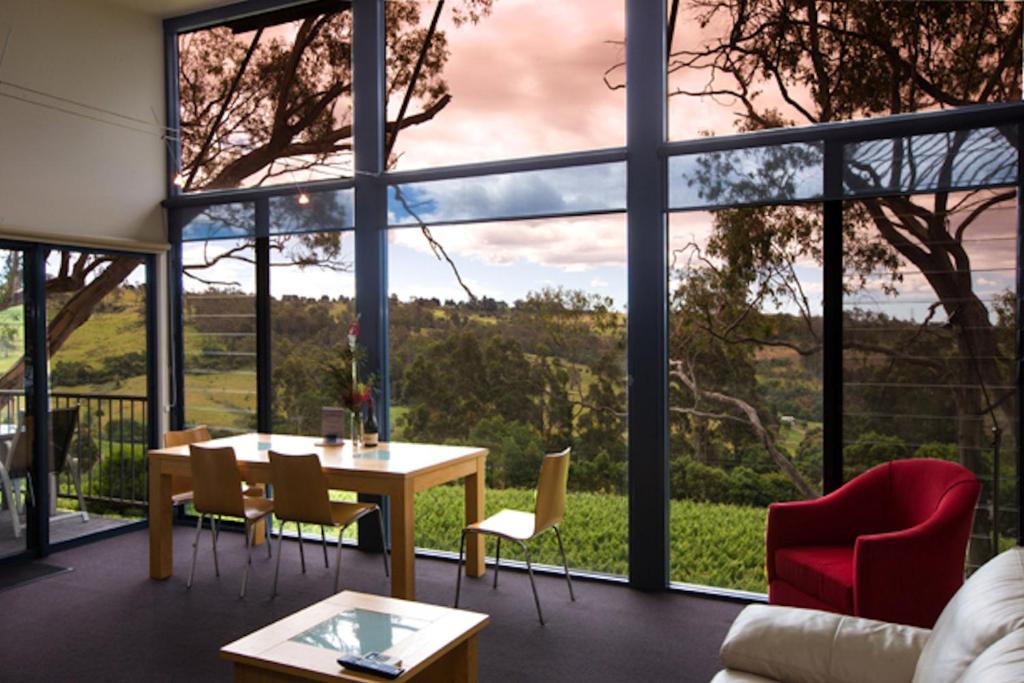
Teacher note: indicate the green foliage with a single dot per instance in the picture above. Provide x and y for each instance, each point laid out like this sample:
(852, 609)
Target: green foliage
(870, 449)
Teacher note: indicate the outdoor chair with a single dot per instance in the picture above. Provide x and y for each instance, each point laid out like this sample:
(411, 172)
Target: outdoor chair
(520, 527)
(301, 496)
(18, 464)
(217, 492)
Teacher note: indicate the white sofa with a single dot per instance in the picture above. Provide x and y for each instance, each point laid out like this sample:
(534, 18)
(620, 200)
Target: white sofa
(978, 638)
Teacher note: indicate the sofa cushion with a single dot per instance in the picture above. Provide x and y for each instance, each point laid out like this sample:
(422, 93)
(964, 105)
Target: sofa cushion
(730, 676)
(988, 607)
(823, 572)
(1001, 663)
(810, 646)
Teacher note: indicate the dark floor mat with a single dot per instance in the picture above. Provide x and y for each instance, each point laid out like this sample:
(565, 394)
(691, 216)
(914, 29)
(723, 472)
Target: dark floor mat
(16, 575)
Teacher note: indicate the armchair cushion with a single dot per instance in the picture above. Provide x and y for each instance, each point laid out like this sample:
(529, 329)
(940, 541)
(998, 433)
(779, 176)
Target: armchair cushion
(809, 646)
(1001, 663)
(824, 572)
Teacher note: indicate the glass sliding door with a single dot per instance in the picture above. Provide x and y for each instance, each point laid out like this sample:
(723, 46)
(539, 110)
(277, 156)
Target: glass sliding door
(96, 306)
(14, 488)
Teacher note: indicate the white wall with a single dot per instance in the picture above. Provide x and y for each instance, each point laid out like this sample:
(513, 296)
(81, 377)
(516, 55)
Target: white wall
(63, 175)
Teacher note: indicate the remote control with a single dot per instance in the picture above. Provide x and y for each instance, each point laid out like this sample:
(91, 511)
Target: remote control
(370, 666)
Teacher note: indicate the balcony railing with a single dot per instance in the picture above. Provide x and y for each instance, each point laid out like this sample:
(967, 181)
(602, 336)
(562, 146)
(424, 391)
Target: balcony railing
(109, 446)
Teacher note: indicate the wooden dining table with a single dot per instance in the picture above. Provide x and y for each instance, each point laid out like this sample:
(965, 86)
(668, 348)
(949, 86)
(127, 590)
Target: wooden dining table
(396, 470)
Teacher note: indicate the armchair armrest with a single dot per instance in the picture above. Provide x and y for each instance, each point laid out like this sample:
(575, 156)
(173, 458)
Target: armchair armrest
(916, 569)
(811, 646)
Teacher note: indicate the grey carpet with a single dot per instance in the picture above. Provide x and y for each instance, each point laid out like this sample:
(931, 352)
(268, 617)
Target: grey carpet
(108, 622)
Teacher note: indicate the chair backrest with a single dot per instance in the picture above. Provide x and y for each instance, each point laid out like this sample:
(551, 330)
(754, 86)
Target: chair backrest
(551, 488)
(63, 422)
(216, 481)
(919, 486)
(300, 488)
(184, 437)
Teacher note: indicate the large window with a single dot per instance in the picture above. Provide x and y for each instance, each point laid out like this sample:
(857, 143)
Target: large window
(266, 99)
(735, 67)
(745, 341)
(517, 345)
(832, 295)
(503, 79)
(220, 320)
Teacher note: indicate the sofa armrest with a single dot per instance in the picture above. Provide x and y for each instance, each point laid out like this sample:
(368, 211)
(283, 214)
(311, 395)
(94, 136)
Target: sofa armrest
(810, 646)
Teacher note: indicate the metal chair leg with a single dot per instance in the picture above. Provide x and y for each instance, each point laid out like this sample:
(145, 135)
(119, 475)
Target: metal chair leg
(383, 542)
(269, 535)
(565, 564)
(337, 560)
(250, 538)
(458, 568)
(195, 551)
(302, 554)
(323, 541)
(81, 498)
(213, 536)
(277, 565)
(529, 570)
(497, 562)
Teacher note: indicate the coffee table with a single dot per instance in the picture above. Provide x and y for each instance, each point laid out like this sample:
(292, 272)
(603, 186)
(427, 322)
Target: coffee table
(434, 643)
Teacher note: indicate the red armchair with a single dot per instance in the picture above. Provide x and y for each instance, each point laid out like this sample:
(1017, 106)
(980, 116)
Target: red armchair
(887, 545)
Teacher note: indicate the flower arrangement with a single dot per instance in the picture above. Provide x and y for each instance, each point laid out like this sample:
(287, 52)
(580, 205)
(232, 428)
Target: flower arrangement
(352, 393)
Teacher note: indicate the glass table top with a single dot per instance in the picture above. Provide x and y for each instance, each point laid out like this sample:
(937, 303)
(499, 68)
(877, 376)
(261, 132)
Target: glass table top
(359, 631)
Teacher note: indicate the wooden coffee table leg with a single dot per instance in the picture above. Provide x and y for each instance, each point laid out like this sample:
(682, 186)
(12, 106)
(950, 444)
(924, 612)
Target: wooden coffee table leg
(161, 548)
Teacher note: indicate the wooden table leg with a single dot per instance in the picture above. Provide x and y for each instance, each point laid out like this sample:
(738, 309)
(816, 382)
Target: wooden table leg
(475, 513)
(161, 547)
(403, 549)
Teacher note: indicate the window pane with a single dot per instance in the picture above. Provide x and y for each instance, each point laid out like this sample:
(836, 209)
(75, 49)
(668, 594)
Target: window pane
(734, 67)
(266, 99)
(505, 79)
(220, 336)
(756, 175)
(929, 346)
(223, 221)
(312, 212)
(583, 189)
(536, 362)
(745, 331)
(312, 289)
(939, 161)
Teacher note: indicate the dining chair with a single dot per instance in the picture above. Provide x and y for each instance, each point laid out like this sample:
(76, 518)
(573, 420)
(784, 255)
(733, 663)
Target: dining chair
(217, 492)
(182, 489)
(521, 527)
(301, 495)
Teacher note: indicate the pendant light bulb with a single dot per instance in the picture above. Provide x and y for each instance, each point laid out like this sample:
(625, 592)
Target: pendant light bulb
(303, 199)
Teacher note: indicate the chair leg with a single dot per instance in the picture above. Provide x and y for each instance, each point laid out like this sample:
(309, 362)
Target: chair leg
(565, 564)
(213, 535)
(12, 501)
(81, 498)
(323, 541)
(31, 489)
(337, 560)
(302, 553)
(383, 542)
(270, 535)
(497, 562)
(250, 538)
(458, 568)
(277, 565)
(195, 551)
(529, 570)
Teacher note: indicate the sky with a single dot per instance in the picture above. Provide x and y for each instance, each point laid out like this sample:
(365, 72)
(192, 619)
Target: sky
(528, 80)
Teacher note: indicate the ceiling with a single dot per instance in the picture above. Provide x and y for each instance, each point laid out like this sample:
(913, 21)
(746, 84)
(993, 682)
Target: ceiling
(168, 8)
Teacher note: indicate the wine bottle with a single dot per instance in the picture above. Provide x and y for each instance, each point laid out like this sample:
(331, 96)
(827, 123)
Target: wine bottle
(370, 429)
